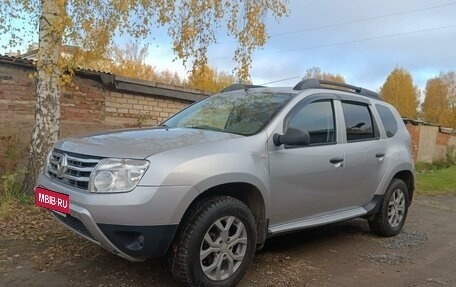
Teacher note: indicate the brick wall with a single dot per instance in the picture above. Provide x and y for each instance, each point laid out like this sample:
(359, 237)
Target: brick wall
(429, 142)
(90, 105)
(414, 131)
(88, 101)
(17, 92)
(84, 102)
(130, 108)
(443, 139)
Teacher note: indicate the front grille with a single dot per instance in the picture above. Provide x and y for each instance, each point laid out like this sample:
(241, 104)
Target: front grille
(70, 168)
(75, 224)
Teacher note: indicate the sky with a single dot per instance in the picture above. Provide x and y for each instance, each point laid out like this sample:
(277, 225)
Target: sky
(361, 40)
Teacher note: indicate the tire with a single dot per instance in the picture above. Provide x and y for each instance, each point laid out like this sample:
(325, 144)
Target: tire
(203, 229)
(392, 213)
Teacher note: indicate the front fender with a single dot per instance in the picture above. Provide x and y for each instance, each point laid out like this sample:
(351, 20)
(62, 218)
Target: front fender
(228, 178)
(218, 169)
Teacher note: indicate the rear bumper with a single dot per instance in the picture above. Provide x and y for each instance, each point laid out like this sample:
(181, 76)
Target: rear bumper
(136, 225)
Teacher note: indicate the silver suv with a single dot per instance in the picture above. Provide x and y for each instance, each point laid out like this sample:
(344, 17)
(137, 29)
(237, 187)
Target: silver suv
(211, 184)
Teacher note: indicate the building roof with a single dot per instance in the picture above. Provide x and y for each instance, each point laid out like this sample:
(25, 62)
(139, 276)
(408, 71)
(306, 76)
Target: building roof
(442, 129)
(121, 83)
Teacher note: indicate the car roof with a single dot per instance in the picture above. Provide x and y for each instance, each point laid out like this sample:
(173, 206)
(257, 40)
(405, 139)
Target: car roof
(308, 84)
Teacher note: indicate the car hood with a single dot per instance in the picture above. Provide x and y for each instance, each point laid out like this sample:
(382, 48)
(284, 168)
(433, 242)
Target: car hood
(139, 143)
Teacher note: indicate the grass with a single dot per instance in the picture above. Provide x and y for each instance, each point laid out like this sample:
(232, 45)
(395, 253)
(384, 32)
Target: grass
(436, 181)
(11, 193)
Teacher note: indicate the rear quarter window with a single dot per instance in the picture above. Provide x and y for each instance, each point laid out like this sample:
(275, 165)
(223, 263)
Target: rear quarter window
(388, 120)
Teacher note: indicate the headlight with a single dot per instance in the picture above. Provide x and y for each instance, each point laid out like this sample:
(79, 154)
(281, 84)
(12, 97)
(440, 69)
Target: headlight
(117, 175)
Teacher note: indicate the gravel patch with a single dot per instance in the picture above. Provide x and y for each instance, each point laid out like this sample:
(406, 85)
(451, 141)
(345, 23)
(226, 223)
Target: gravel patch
(410, 239)
(386, 258)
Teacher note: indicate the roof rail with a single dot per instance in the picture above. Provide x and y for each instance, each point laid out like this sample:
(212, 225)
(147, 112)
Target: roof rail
(315, 84)
(235, 87)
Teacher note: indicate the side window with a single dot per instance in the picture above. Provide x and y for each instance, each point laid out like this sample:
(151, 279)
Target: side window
(317, 119)
(388, 120)
(358, 121)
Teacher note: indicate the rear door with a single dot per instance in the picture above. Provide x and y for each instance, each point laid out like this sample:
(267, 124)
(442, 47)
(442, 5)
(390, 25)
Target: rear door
(365, 150)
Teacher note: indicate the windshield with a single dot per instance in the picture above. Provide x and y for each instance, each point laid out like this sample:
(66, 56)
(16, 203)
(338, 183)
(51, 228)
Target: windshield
(238, 113)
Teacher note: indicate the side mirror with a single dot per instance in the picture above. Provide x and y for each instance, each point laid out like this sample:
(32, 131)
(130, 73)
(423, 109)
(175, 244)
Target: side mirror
(293, 137)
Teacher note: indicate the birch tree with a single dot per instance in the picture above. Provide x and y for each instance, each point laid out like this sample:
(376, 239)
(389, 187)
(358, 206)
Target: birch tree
(400, 91)
(435, 107)
(439, 106)
(92, 25)
(208, 79)
(449, 79)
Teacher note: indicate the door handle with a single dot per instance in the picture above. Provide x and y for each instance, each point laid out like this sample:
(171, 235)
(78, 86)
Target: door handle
(336, 160)
(379, 155)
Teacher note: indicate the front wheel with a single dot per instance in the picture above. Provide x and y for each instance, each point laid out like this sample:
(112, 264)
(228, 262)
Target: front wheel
(390, 218)
(216, 245)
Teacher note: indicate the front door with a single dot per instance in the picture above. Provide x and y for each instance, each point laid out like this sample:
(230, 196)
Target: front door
(304, 179)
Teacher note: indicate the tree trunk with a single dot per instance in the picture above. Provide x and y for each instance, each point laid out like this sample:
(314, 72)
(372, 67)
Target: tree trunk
(47, 109)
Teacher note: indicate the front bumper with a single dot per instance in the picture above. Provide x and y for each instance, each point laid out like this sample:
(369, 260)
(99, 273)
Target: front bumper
(134, 225)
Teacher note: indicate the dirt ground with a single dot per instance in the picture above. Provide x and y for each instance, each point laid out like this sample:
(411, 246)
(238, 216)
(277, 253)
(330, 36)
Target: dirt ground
(35, 251)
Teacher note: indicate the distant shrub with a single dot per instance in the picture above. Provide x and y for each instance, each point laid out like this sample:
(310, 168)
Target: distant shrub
(12, 159)
(12, 153)
(448, 160)
(11, 192)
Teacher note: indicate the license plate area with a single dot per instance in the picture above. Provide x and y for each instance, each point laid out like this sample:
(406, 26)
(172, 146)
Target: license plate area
(52, 200)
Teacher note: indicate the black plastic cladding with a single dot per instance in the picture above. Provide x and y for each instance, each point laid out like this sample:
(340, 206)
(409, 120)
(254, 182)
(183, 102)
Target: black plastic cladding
(316, 84)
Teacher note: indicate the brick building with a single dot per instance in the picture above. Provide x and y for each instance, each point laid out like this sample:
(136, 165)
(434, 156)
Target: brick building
(96, 101)
(430, 142)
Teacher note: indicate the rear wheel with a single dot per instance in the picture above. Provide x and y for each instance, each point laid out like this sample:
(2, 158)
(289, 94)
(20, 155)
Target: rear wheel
(390, 218)
(216, 245)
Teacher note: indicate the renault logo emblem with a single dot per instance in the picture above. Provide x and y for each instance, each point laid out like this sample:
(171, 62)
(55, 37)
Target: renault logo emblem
(62, 165)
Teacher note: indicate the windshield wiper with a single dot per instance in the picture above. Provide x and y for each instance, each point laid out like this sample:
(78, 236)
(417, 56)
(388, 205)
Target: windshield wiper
(205, 127)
